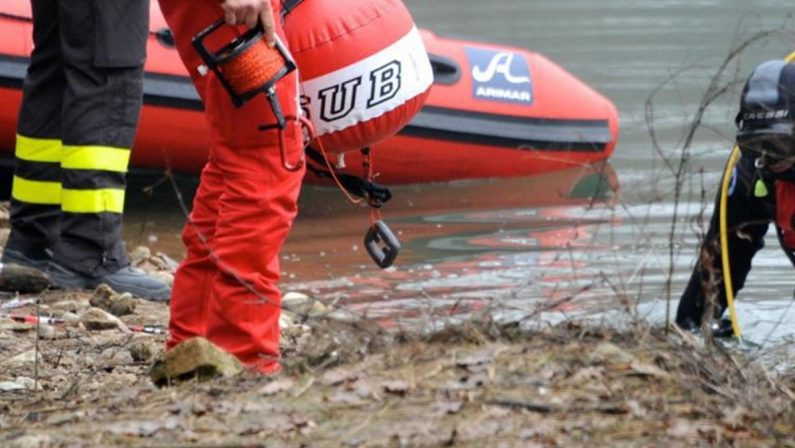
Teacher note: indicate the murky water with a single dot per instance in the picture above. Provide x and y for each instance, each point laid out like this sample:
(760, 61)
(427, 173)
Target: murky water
(539, 246)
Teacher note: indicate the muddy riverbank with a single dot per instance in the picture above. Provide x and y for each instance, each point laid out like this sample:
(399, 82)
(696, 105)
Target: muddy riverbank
(347, 382)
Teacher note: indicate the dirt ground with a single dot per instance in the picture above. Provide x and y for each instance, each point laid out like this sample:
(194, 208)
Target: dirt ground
(79, 375)
(84, 381)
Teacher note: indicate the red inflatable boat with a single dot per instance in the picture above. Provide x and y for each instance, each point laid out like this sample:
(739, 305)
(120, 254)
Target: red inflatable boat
(493, 111)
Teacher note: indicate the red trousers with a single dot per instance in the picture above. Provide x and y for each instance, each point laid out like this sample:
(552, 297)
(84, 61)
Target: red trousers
(226, 288)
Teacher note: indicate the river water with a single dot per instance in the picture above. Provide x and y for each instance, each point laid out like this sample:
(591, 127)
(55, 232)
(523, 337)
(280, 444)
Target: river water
(540, 248)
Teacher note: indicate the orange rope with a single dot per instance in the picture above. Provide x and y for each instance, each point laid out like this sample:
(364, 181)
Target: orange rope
(367, 164)
(375, 216)
(331, 169)
(375, 213)
(253, 68)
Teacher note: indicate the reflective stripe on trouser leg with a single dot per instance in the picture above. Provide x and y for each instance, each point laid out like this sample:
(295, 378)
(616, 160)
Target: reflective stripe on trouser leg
(93, 179)
(92, 203)
(35, 195)
(37, 173)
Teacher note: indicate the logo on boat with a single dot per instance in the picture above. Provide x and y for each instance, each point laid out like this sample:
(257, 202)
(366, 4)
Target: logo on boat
(500, 76)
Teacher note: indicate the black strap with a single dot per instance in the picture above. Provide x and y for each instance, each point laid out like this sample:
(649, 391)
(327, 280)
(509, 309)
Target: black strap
(18, 17)
(376, 195)
(289, 5)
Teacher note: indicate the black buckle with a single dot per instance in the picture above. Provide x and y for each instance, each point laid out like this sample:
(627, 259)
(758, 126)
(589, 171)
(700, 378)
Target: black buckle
(380, 233)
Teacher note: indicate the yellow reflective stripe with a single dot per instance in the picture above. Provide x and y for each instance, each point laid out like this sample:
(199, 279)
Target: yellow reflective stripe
(104, 158)
(38, 149)
(35, 191)
(93, 201)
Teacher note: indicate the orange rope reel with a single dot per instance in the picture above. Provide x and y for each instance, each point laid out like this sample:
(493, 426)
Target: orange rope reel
(254, 68)
(246, 67)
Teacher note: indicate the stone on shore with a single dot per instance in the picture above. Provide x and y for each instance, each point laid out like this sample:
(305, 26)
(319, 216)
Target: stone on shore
(109, 300)
(95, 319)
(301, 306)
(22, 279)
(195, 358)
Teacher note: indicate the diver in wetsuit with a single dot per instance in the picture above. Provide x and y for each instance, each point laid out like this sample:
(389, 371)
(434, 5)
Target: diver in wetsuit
(762, 190)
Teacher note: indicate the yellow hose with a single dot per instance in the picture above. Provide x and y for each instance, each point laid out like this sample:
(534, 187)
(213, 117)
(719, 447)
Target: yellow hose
(724, 234)
(724, 243)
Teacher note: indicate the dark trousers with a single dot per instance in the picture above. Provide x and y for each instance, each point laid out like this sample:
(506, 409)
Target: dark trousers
(81, 101)
(747, 219)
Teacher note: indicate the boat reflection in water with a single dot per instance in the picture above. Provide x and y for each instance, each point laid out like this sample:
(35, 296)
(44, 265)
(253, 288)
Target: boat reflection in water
(523, 244)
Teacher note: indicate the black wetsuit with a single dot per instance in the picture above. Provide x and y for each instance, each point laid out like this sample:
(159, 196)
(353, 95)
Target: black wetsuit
(748, 215)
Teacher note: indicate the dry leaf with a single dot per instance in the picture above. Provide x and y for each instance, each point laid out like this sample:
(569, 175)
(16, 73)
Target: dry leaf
(644, 369)
(448, 407)
(397, 387)
(339, 375)
(276, 386)
(142, 428)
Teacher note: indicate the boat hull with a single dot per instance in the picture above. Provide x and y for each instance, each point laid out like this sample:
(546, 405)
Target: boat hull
(493, 111)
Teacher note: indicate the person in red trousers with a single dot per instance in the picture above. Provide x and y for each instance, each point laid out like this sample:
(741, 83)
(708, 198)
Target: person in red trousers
(226, 288)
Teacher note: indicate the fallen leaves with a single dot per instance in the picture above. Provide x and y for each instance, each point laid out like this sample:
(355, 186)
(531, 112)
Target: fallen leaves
(560, 387)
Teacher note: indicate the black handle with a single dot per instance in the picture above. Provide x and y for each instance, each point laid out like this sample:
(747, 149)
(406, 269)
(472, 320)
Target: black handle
(380, 233)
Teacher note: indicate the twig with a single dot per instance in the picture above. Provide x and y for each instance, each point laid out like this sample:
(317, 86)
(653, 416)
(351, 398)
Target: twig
(72, 388)
(541, 408)
(36, 352)
(718, 390)
(305, 388)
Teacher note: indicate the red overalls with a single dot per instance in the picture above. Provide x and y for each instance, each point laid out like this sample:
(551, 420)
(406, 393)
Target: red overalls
(226, 288)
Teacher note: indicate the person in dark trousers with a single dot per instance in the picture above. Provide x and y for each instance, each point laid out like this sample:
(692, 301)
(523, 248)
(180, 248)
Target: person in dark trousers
(82, 97)
(761, 191)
